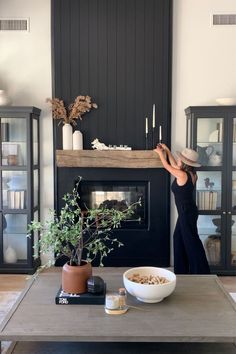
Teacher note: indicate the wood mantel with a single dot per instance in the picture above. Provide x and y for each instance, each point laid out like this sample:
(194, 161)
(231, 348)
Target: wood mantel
(108, 159)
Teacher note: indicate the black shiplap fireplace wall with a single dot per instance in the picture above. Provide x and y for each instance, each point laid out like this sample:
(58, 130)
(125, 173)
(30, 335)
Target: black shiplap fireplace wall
(119, 53)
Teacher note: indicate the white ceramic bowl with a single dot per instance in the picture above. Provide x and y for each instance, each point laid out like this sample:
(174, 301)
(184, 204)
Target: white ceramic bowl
(227, 101)
(149, 292)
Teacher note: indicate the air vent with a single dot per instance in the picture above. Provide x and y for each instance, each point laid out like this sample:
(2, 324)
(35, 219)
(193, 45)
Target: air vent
(224, 19)
(14, 24)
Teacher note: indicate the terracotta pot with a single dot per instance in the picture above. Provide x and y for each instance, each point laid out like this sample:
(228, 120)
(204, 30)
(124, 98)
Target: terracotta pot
(74, 278)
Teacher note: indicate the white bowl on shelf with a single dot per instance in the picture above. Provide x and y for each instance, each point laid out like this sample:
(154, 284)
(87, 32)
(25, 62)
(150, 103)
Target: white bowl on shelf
(226, 101)
(150, 293)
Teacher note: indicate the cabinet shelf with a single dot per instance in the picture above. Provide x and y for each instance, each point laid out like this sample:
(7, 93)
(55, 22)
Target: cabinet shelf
(208, 231)
(210, 142)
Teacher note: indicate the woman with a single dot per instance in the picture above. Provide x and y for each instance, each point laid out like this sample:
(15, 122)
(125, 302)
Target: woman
(189, 254)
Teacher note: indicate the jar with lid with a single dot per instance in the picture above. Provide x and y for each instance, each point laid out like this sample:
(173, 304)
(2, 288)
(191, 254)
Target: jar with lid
(115, 303)
(122, 298)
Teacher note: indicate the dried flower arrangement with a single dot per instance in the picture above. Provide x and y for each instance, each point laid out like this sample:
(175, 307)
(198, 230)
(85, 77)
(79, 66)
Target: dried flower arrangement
(75, 110)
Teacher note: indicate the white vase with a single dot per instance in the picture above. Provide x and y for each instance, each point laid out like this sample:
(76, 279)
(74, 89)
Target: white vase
(4, 99)
(77, 140)
(67, 137)
(10, 255)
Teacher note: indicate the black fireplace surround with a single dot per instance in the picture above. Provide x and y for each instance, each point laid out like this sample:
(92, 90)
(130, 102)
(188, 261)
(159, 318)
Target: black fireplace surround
(146, 237)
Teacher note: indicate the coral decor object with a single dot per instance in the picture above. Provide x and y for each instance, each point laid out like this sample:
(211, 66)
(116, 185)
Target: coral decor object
(69, 115)
(96, 144)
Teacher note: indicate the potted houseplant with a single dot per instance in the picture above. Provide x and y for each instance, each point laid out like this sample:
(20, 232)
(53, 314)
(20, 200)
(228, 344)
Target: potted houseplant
(81, 235)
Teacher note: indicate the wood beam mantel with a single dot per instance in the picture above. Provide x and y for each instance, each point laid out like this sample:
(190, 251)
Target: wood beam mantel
(108, 159)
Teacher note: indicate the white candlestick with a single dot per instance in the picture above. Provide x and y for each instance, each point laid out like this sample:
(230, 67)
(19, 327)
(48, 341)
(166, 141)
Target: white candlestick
(153, 116)
(160, 133)
(146, 128)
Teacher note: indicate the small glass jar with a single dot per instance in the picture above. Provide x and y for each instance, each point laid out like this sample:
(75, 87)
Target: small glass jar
(115, 304)
(122, 298)
(112, 301)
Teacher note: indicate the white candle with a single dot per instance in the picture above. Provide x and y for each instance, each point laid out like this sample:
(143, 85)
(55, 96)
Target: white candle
(112, 301)
(146, 128)
(160, 133)
(153, 116)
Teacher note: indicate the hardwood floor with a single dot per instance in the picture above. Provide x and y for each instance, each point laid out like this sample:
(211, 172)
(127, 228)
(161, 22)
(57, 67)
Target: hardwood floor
(229, 283)
(17, 282)
(13, 282)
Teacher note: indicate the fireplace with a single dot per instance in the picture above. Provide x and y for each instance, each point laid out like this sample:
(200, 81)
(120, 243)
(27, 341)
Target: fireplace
(118, 195)
(146, 236)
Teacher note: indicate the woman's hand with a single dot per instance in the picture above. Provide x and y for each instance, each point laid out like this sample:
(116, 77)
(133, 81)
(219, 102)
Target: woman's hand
(159, 149)
(164, 147)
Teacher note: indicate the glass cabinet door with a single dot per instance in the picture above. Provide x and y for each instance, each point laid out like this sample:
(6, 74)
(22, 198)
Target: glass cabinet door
(14, 238)
(36, 187)
(13, 141)
(35, 141)
(14, 189)
(210, 141)
(233, 241)
(233, 220)
(209, 229)
(234, 142)
(208, 189)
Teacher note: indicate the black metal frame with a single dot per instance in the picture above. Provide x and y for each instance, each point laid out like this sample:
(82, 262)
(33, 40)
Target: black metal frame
(227, 113)
(28, 113)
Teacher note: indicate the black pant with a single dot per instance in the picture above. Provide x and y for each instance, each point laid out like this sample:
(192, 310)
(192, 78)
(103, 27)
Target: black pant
(189, 254)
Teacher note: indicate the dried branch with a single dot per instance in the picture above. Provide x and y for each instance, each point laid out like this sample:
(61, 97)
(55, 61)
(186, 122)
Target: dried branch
(80, 106)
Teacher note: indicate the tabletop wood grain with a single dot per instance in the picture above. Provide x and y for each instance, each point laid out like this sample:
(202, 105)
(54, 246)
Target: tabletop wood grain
(199, 310)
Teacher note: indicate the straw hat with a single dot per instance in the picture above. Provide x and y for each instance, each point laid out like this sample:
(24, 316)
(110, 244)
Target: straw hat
(189, 157)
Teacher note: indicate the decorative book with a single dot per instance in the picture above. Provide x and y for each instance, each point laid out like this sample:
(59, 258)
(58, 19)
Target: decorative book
(63, 298)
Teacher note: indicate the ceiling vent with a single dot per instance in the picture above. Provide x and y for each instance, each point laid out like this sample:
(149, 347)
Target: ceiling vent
(224, 19)
(14, 24)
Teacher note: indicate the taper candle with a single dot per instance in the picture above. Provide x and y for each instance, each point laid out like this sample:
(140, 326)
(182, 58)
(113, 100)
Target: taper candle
(154, 116)
(146, 128)
(160, 134)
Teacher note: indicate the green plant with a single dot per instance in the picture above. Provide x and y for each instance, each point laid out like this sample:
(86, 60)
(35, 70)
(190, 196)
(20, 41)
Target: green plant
(75, 232)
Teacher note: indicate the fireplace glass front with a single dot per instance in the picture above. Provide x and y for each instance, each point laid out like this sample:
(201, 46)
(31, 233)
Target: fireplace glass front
(118, 195)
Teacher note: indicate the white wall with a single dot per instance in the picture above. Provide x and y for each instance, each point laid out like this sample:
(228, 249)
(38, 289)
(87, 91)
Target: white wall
(25, 73)
(204, 58)
(204, 61)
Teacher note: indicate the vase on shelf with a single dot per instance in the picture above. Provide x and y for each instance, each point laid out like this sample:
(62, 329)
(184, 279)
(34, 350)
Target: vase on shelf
(4, 99)
(10, 255)
(67, 137)
(77, 140)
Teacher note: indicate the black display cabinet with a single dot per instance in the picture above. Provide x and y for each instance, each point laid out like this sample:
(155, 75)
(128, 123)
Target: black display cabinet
(20, 188)
(211, 130)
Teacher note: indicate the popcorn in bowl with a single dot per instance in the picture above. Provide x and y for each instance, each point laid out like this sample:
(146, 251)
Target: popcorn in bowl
(149, 284)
